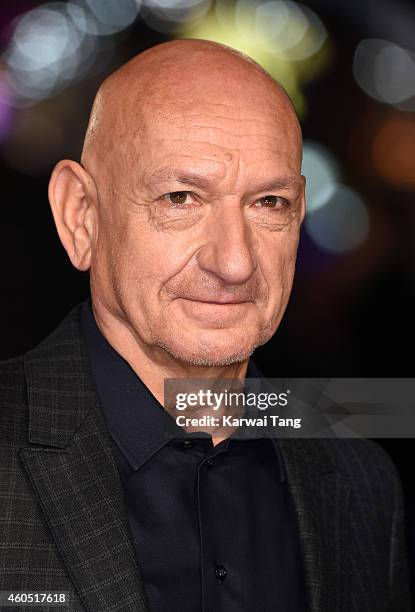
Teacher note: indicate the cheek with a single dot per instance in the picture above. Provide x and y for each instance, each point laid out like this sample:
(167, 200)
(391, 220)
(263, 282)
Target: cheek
(144, 259)
(278, 267)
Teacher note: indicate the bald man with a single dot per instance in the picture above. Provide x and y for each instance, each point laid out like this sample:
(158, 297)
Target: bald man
(186, 210)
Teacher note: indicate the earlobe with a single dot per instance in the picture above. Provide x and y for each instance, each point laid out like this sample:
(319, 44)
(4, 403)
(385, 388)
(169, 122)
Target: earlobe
(73, 197)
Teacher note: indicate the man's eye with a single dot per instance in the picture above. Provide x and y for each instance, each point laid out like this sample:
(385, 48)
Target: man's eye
(271, 201)
(178, 198)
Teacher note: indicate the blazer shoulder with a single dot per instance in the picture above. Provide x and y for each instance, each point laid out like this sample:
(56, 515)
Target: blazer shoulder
(367, 465)
(358, 455)
(52, 382)
(13, 401)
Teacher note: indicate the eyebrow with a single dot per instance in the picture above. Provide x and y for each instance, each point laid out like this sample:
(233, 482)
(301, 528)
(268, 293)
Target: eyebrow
(287, 182)
(203, 182)
(188, 178)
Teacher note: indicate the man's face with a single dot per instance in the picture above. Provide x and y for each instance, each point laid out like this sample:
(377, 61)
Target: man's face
(199, 225)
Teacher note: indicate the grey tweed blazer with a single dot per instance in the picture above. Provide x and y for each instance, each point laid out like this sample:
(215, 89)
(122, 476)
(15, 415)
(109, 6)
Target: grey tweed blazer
(63, 521)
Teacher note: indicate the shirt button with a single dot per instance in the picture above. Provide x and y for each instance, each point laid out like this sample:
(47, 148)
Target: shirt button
(220, 573)
(187, 443)
(209, 462)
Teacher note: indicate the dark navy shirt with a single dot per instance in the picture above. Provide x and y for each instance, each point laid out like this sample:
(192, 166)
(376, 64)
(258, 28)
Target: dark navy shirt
(213, 527)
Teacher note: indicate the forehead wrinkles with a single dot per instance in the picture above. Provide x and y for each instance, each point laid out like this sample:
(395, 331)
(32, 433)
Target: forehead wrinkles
(219, 126)
(232, 113)
(223, 130)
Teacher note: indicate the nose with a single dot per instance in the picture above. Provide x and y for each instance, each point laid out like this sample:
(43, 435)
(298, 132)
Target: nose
(229, 251)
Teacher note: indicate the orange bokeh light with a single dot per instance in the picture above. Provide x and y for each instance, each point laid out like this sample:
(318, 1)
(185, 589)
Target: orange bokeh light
(394, 150)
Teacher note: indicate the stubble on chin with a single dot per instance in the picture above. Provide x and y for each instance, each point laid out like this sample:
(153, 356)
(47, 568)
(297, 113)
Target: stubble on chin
(205, 360)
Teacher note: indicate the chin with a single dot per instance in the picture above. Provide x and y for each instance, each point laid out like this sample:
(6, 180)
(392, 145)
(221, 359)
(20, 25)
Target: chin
(209, 353)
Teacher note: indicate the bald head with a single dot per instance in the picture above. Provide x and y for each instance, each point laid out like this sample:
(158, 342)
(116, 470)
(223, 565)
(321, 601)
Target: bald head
(164, 79)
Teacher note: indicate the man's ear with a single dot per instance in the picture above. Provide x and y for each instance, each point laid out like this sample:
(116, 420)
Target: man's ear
(73, 198)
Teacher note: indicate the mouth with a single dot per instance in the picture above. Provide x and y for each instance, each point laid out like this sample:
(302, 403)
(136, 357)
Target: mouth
(218, 313)
(225, 302)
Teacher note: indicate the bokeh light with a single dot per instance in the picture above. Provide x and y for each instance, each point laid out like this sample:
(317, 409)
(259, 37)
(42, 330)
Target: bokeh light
(283, 28)
(46, 53)
(5, 107)
(342, 224)
(169, 15)
(337, 220)
(322, 174)
(84, 20)
(108, 17)
(386, 72)
(394, 150)
(286, 28)
(286, 38)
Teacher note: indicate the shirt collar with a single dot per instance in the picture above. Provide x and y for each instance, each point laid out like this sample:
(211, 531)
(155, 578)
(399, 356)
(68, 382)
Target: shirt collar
(136, 421)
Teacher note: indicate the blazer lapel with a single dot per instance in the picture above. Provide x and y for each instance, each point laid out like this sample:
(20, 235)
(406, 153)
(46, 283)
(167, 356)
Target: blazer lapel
(72, 470)
(321, 499)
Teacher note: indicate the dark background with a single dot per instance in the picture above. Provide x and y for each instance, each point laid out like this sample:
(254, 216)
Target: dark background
(351, 312)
